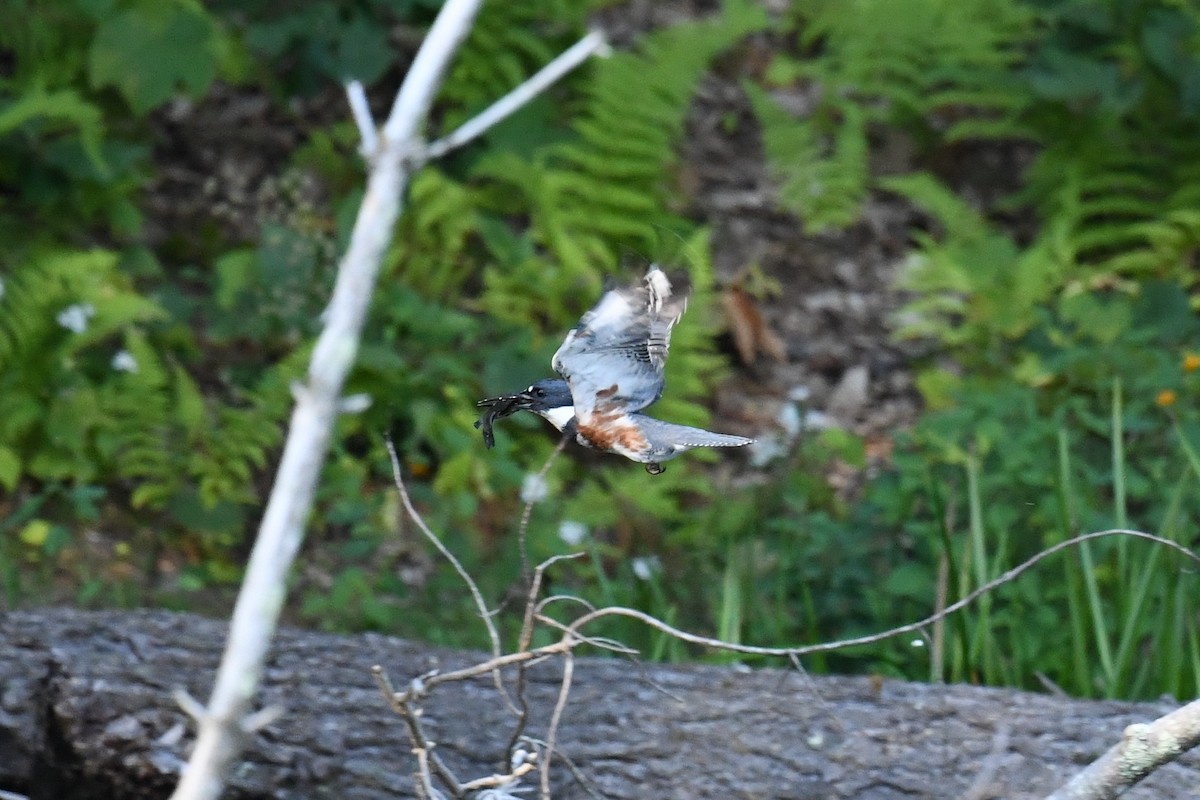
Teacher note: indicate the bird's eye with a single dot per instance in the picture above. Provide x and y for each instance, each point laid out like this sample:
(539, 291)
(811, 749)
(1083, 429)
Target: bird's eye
(539, 392)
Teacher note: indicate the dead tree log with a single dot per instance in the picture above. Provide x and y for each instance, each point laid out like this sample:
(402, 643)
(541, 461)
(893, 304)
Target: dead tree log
(86, 712)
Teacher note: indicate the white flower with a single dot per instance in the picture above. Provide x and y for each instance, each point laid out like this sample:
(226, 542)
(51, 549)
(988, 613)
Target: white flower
(917, 643)
(534, 488)
(75, 318)
(765, 449)
(124, 361)
(644, 567)
(818, 420)
(572, 532)
(789, 419)
(798, 393)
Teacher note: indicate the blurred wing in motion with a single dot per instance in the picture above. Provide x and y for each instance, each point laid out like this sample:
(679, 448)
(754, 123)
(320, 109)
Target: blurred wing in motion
(614, 359)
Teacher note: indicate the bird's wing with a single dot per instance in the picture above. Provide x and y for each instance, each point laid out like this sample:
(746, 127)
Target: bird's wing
(615, 356)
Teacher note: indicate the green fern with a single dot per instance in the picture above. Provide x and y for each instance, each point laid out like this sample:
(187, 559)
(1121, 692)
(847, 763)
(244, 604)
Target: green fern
(943, 67)
(85, 395)
(819, 164)
(508, 43)
(1127, 214)
(138, 437)
(601, 194)
(430, 251)
(919, 56)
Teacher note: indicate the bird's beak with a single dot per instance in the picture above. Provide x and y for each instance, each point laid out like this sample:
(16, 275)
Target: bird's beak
(507, 404)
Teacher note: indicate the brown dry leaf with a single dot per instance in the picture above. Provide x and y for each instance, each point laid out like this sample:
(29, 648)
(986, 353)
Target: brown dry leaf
(751, 334)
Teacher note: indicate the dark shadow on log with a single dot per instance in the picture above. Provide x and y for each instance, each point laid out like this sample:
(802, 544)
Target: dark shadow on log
(86, 712)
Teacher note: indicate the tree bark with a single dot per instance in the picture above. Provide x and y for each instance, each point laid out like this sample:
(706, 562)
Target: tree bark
(86, 712)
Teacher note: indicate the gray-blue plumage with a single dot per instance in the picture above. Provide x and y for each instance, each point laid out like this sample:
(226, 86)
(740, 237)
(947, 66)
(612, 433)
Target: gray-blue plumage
(611, 365)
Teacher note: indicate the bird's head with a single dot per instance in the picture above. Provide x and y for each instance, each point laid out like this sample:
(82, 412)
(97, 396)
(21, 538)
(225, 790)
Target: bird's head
(549, 398)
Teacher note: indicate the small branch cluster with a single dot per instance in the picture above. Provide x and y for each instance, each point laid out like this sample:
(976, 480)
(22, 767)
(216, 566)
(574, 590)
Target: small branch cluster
(1145, 746)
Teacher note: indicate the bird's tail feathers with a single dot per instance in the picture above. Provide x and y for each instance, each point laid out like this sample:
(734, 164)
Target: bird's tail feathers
(687, 436)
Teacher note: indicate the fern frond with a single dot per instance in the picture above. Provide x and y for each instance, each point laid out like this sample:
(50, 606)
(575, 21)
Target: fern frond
(948, 62)
(138, 436)
(820, 169)
(603, 193)
(508, 43)
(633, 115)
(429, 252)
(1126, 209)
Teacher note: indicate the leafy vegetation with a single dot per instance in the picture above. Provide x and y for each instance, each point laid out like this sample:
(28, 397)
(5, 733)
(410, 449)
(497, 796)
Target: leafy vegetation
(144, 380)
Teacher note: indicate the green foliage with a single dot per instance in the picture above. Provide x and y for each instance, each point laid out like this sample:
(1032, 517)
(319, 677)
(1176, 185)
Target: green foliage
(87, 396)
(1067, 344)
(820, 164)
(315, 43)
(140, 393)
(601, 190)
(148, 50)
(914, 64)
(507, 44)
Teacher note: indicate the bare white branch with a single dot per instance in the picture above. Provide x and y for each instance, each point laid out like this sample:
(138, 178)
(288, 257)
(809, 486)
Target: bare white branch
(361, 111)
(222, 736)
(564, 690)
(416, 94)
(592, 44)
(190, 705)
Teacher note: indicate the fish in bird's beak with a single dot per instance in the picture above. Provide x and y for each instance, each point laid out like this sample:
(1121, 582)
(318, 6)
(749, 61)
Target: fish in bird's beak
(498, 408)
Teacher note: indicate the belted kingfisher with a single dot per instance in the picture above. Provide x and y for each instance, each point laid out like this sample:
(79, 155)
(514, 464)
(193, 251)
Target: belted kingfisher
(611, 365)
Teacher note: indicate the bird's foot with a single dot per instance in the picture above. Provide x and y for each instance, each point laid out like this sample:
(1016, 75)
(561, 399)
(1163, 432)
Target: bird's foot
(655, 469)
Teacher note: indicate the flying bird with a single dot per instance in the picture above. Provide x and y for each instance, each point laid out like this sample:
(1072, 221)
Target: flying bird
(611, 368)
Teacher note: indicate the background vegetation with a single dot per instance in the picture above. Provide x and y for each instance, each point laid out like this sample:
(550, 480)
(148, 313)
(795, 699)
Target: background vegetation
(144, 378)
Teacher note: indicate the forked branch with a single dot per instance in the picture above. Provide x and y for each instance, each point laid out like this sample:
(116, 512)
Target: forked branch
(394, 154)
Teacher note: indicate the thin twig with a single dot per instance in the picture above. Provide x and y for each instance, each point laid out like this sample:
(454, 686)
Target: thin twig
(524, 640)
(563, 598)
(416, 734)
(552, 730)
(535, 586)
(600, 642)
(873, 638)
(592, 44)
(980, 788)
(576, 772)
(486, 667)
(499, 780)
(190, 705)
(472, 587)
(1049, 685)
(834, 719)
(527, 513)
(425, 782)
